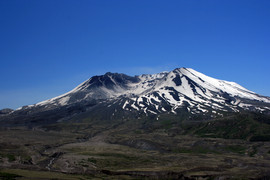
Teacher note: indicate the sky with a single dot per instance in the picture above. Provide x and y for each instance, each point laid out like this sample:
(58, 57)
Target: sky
(48, 47)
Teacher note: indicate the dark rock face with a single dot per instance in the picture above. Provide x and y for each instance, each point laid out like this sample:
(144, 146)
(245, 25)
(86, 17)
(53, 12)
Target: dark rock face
(177, 80)
(6, 111)
(110, 80)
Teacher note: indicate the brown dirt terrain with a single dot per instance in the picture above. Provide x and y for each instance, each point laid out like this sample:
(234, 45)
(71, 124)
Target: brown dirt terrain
(123, 153)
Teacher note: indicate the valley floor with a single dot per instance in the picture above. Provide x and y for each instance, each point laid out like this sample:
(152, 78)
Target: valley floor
(88, 152)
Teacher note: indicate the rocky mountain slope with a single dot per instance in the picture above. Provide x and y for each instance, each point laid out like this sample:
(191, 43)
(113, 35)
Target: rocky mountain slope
(117, 95)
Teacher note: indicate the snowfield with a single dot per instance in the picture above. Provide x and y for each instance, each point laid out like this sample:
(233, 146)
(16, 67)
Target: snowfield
(178, 88)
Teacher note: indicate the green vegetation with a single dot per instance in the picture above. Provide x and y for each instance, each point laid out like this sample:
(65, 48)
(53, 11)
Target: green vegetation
(117, 155)
(10, 157)
(195, 150)
(8, 176)
(166, 124)
(241, 126)
(260, 138)
(140, 148)
(92, 160)
(138, 131)
(253, 152)
(236, 149)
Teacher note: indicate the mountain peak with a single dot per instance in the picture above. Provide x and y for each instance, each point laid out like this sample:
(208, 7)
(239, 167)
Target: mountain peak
(179, 69)
(165, 92)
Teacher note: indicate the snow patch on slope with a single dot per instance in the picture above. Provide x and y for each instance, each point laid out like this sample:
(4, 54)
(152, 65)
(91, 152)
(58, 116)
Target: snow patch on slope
(175, 89)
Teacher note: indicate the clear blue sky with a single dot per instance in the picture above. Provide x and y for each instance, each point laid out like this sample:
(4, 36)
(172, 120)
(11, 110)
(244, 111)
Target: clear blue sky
(47, 47)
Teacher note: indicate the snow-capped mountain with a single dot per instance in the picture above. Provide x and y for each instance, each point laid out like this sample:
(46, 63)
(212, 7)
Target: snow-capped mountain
(166, 92)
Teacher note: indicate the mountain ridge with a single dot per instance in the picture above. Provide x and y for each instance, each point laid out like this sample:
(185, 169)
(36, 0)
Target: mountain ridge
(118, 84)
(180, 90)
